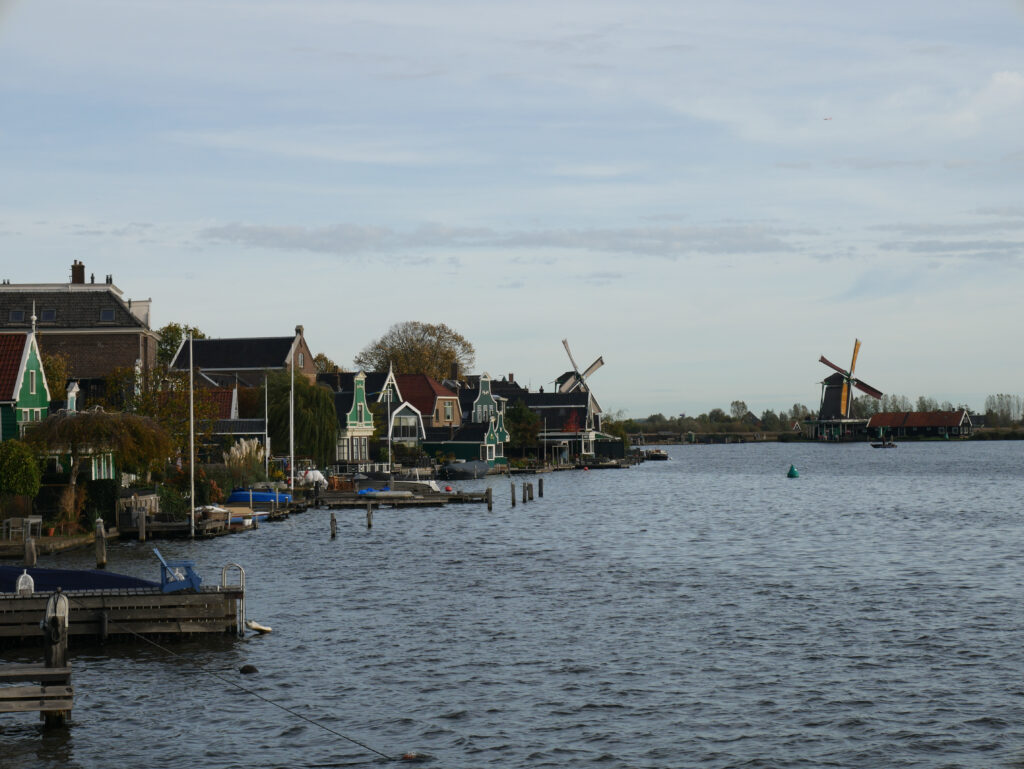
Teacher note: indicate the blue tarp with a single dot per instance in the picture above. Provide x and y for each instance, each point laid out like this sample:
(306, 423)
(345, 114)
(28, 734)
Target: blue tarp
(48, 580)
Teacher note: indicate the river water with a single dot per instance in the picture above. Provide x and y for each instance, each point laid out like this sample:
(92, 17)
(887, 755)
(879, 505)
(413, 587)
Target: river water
(701, 612)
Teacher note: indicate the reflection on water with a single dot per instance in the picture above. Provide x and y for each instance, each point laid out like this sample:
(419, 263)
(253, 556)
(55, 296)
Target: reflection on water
(705, 611)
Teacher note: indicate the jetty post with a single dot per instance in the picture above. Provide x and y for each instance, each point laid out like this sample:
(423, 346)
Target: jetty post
(142, 524)
(334, 526)
(490, 499)
(540, 488)
(525, 484)
(530, 487)
(513, 494)
(369, 515)
(101, 544)
(30, 552)
(55, 647)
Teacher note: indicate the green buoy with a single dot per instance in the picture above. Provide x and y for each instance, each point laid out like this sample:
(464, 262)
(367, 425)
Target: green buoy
(792, 472)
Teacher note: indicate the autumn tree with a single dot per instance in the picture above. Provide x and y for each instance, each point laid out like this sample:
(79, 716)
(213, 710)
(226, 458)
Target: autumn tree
(19, 470)
(523, 426)
(738, 409)
(316, 422)
(138, 443)
(57, 370)
(171, 337)
(325, 365)
(418, 348)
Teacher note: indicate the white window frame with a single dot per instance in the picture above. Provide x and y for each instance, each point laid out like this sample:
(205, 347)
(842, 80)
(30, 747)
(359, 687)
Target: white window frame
(32, 382)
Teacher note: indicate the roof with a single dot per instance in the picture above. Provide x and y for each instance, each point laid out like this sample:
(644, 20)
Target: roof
(73, 308)
(344, 381)
(222, 399)
(239, 427)
(12, 351)
(258, 352)
(918, 419)
(575, 399)
(422, 391)
(469, 432)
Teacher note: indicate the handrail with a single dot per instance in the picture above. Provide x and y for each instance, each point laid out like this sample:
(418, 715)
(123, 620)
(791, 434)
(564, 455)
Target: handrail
(241, 587)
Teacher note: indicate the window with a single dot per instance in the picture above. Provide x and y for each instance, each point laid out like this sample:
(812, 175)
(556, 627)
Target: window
(359, 412)
(302, 360)
(48, 316)
(16, 316)
(343, 450)
(448, 411)
(38, 417)
(107, 315)
(32, 382)
(490, 452)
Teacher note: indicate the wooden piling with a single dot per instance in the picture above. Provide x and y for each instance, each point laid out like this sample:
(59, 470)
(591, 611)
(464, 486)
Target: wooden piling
(334, 526)
(55, 647)
(30, 552)
(490, 499)
(529, 486)
(101, 544)
(369, 515)
(525, 484)
(513, 494)
(142, 525)
(540, 488)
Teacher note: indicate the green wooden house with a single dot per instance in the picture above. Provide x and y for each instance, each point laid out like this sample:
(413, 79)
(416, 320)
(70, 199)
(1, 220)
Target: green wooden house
(24, 394)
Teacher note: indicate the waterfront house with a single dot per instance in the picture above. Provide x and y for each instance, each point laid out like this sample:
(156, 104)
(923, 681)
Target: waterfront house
(24, 392)
(921, 424)
(93, 324)
(355, 420)
(245, 361)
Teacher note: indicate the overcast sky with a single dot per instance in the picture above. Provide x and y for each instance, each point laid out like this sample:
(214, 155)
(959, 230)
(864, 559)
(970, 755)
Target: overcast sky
(710, 195)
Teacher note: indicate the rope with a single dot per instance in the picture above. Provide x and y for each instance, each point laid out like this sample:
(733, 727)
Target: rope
(246, 690)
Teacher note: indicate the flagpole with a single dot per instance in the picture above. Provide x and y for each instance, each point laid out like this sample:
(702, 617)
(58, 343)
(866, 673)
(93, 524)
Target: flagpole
(191, 445)
(291, 425)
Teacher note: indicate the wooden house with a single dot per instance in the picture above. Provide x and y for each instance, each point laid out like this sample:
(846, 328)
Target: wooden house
(921, 424)
(24, 393)
(245, 361)
(93, 324)
(355, 421)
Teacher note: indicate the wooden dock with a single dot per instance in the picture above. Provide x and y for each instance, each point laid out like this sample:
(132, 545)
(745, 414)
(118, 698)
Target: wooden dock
(341, 500)
(104, 614)
(50, 691)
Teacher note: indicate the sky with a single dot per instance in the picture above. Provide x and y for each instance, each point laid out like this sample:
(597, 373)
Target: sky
(708, 195)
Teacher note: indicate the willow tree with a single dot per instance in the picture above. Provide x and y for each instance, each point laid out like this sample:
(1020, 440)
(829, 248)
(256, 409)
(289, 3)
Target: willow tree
(418, 348)
(137, 443)
(316, 424)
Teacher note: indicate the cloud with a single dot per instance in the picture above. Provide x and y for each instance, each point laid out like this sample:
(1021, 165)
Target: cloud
(991, 250)
(663, 242)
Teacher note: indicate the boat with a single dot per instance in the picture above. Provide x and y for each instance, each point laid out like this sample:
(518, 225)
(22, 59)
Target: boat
(658, 455)
(247, 496)
(461, 469)
(883, 445)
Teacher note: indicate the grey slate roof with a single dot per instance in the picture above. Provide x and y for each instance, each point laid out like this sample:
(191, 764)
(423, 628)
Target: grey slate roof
(268, 352)
(344, 381)
(72, 309)
(469, 432)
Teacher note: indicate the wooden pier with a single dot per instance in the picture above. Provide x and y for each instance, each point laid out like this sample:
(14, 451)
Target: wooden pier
(340, 500)
(119, 614)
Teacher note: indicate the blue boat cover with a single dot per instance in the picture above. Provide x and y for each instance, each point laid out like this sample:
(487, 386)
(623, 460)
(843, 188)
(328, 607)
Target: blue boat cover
(68, 580)
(242, 495)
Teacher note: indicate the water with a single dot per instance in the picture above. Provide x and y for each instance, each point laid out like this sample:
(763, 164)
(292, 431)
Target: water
(701, 612)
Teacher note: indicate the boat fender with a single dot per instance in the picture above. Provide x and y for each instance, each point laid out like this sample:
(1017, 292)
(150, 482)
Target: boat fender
(448, 488)
(261, 629)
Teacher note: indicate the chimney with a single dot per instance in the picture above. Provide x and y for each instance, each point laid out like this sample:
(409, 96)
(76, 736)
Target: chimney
(77, 272)
(455, 370)
(299, 330)
(511, 378)
(92, 277)
(110, 280)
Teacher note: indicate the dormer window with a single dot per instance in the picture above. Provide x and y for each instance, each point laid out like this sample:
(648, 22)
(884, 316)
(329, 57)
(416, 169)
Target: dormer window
(16, 316)
(107, 315)
(47, 316)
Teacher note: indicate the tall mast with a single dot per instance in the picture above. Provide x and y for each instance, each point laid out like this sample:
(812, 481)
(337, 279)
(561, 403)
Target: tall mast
(191, 445)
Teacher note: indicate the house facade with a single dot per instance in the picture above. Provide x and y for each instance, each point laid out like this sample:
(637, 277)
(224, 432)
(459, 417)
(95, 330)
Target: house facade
(921, 424)
(24, 392)
(355, 423)
(93, 324)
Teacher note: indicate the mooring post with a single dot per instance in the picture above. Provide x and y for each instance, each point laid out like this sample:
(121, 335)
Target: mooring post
(525, 484)
(369, 515)
(55, 645)
(30, 552)
(513, 494)
(490, 499)
(334, 526)
(142, 524)
(530, 495)
(101, 544)
(540, 488)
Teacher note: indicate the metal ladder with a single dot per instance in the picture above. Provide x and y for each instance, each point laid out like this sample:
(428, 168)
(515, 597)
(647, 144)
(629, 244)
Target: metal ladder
(240, 585)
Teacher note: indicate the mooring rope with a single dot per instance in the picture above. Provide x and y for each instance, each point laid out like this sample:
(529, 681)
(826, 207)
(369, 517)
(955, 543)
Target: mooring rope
(256, 694)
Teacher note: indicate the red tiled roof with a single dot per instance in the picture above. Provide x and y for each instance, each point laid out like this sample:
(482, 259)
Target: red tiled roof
(12, 348)
(918, 419)
(422, 391)
(221, 396)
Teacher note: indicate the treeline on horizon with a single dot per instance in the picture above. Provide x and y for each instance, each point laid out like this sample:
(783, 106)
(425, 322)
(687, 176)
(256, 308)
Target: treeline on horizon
(1001, 410)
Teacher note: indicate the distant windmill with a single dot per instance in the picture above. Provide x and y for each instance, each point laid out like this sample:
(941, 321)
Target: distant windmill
(574, 380)
(837, 395)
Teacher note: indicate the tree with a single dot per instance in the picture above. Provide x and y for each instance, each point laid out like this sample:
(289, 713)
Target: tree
(738, 409)
(138, 443)
(57, 370)
(19, 470)
(770, 421)
(418, 348)
(523, 426)
(171, 337)
(316, 422)
(324, 365)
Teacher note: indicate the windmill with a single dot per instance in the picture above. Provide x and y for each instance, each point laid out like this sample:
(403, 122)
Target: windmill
(837, 393)
(574, 380)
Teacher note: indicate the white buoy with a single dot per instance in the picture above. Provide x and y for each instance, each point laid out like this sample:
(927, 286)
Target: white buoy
(257, 626)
